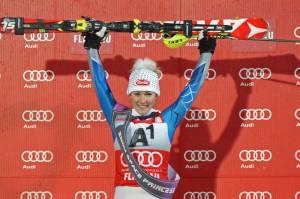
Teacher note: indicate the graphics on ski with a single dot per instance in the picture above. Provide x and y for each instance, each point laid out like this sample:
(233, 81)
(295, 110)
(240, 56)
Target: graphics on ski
(237, 28)
(240, 29)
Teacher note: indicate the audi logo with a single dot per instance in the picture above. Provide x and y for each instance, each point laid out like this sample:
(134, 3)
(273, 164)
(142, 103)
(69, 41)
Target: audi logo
(90, 116)
(200, 155)
(38, 116)
(90, 195)
(37, 156)
(297, 73)
(39, 36)
(199, 195)
(200, 114)
(297, 155)
(85, 75)
(36, 195)
(146, 36)
(210, 75)
(145, 158)
(255, 195)
(255, 114)
(297, 114)
(255, 155)
(38, 75)
(297, 195)
(255, 73)
(91, 156)
(296, 33)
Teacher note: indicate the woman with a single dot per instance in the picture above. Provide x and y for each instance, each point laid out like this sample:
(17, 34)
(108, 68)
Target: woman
(150, 132)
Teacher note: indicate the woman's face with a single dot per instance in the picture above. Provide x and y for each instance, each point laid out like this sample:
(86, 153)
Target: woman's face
(142, 101)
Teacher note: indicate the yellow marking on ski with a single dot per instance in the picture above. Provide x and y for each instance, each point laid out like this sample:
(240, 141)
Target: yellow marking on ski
(81, 25)
(136, 29)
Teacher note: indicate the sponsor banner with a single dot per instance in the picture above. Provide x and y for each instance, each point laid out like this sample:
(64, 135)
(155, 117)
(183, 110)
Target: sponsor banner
(86, 119)
(88, 159)
(77, 42)
(297, 34)
(145, 39)
(49, 188)
(35, 78)
(33, 40)
(65, 134)
(84, 78)
(210, 75)
(251, 117)
(258, 188)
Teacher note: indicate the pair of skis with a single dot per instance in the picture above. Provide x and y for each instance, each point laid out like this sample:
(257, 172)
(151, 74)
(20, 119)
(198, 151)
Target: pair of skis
(239, 29)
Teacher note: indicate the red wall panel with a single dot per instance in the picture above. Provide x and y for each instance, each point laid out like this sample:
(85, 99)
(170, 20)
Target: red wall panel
(240, 139)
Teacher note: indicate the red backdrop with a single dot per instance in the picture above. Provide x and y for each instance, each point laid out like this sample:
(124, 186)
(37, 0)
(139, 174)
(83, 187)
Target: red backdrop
(240, 140)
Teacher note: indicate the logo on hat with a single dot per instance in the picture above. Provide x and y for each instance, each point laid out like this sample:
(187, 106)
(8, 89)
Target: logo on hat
(142, 82)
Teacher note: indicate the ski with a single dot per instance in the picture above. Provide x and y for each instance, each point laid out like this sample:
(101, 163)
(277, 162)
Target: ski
(254, 29)
(224, 28)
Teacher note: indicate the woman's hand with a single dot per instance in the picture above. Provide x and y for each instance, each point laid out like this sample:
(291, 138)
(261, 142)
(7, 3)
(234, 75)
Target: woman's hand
(93, 40)
(206, 43)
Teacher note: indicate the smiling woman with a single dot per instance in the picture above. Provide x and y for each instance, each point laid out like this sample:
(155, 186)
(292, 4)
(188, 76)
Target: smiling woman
(143, 101)
(149, 134)
(143, 87)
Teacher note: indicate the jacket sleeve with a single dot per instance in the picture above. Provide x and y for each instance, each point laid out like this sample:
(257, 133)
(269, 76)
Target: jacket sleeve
(174, 114)
(104, 94)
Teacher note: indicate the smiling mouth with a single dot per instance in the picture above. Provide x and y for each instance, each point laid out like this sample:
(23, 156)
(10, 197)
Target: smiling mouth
(143, 106)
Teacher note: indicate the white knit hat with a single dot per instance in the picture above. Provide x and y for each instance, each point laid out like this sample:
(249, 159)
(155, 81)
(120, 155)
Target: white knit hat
(144, 77)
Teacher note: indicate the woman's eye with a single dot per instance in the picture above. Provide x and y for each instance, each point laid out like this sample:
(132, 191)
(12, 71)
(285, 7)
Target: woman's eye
(148, 94)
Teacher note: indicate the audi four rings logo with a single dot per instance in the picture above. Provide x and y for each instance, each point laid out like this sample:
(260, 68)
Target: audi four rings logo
(255, 73)
(200, 114)
(297, 73)
(90, 195)
(255, 114)
(199, 195)
(297, 155)
(39, 36)
(36, 195)
(90, 116)
(145, 158)
(85, 75)
(38, 75)
(210, 75)
(38, 116)
(200, 155)
(37, 156)
(296, 33)
(255, 155)
(297, 114)
(91, 156)
(146, 36)
(255, 195)
(297, 195)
